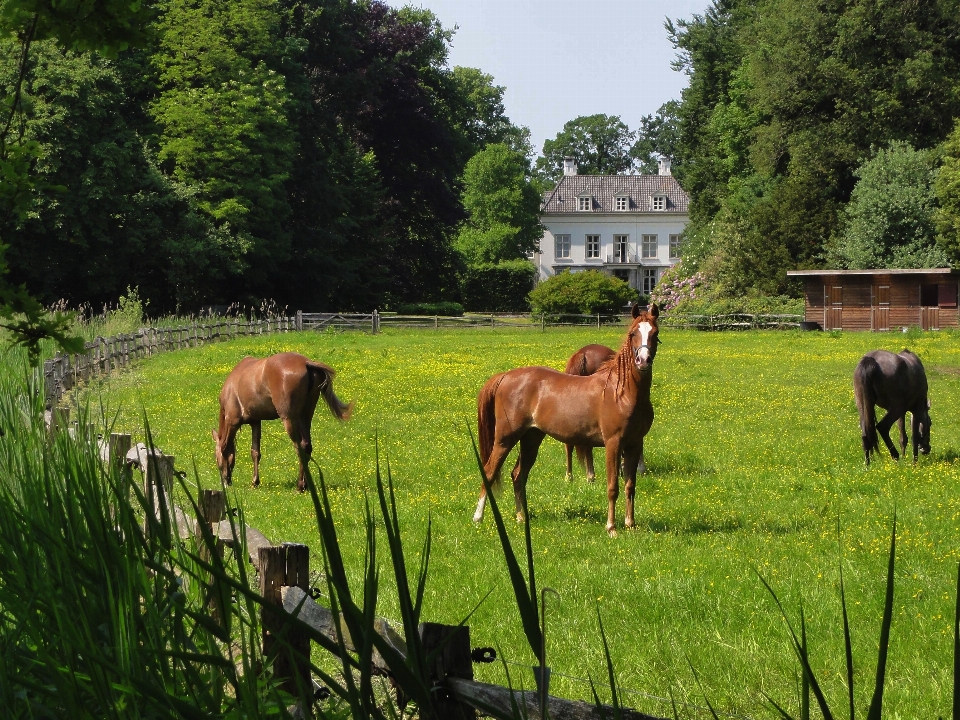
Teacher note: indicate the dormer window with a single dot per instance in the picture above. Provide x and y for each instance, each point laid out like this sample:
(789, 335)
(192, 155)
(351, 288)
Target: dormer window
(621, 203)
(584, 202)
(658, 202)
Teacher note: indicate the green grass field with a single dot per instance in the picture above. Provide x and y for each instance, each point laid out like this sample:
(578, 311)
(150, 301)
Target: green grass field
(754, 458)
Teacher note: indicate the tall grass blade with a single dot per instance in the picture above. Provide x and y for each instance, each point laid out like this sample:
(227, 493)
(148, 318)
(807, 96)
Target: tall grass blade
(876, 703)
(611, 677)
(956, 652)
(804, 679)
(526, 601)
(800, 653)
(847, 645)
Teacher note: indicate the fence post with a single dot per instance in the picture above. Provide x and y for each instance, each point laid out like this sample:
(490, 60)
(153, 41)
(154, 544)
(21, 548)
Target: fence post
(158, 489)
(117, 448)
(59, 421)
(299, 324)
(286, 564)
(212, 505)
(598, 321)
(452, 660)
(543, 323)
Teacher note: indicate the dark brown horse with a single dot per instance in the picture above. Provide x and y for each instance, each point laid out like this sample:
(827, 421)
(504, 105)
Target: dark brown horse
(898, 384)
(610, 408)
(285, 386)
(585, 361)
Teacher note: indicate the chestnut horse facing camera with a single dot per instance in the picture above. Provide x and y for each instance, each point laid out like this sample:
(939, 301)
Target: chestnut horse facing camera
(285, 386)
(609, 409)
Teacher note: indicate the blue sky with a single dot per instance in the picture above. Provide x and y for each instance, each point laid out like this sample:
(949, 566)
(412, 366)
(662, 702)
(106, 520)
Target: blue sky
(560, 59)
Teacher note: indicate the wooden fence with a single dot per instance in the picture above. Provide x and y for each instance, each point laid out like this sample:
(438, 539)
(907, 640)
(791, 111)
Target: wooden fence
(283, 572)
(104, 355)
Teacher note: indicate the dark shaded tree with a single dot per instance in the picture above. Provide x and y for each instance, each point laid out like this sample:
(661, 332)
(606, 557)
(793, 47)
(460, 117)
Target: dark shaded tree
(600, 145)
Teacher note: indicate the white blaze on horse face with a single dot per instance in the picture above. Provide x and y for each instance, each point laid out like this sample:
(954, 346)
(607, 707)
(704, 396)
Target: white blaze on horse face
(643, 355)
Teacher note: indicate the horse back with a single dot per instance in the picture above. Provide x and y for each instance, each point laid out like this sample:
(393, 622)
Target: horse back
(897, 380)
(588, 359)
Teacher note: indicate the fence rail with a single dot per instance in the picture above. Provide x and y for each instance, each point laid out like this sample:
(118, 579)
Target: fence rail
(282, 580)
(104, 355)
(733, 321)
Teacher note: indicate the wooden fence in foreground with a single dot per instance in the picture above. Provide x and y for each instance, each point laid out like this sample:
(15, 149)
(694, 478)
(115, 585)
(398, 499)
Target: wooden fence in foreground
(283, 572)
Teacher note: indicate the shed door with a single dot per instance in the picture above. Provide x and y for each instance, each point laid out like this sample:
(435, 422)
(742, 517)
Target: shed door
(880, 308)
(832, 307)
(929, 307)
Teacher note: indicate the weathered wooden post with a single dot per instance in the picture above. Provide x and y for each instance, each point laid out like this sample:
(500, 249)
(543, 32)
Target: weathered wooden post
(453, 661)
(299, 325)
(286, 564)
(213, 509)
(158, 489)
(59, 421)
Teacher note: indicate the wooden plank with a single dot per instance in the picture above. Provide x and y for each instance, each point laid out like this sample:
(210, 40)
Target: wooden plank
(494, 700)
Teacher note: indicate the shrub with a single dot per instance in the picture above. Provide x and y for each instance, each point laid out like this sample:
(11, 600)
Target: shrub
(757, 305)
(585, 292)
(438, 308)
(500, 287)
(674, 288)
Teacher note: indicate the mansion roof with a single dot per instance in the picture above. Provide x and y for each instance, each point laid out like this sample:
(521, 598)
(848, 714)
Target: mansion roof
(604, 189)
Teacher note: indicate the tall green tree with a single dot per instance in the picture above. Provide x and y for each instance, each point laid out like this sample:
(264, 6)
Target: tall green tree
(600, 145)
(503, 207)
(890, 216)
(658, 136)
(481, 115)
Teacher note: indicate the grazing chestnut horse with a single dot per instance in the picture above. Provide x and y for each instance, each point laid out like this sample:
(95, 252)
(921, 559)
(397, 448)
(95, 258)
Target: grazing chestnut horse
(610, 408)
(898, 384)
(285, 386)
(585, 361)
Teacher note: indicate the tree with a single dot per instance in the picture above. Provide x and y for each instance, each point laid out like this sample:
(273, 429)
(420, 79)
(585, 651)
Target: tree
(658, 136)
(890, 217)
(481, 115)
(503, 207)
(600, 145)
(108, 26)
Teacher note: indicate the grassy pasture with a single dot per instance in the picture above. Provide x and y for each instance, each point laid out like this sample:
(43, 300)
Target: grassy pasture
(753, 458)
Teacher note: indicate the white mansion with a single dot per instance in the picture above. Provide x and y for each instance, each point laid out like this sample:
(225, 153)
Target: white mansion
(625, 225)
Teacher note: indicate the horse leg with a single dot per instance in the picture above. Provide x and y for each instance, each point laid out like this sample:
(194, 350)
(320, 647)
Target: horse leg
(301, 441)
(613, 483)
(631, 461)
(255, 451)
(883, 427)
(569, 448)
(529, 447)
(588, 457)
(491, 471)
(901, 424)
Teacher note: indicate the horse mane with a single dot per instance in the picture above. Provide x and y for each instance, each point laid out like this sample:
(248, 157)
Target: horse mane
(622, 362)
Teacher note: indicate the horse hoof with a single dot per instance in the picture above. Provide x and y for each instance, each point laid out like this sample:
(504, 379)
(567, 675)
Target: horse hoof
(629, 523)
(591, 478)
(612, 532)
(569, 477)
(520, 517)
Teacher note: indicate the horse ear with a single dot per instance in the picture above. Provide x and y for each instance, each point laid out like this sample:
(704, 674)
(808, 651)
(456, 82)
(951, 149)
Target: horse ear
(654, 310)
(636, 310)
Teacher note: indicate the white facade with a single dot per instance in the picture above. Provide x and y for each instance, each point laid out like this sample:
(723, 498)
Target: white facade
(626, 226)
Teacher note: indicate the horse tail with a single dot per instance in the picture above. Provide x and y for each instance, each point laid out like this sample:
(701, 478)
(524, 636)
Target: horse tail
(487, 421)
(582, 454)
(577, 365)
(863, 377)
(325, 374)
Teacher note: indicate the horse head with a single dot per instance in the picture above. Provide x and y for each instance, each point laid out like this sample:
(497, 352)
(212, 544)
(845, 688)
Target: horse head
(226, 457)
(644, 336)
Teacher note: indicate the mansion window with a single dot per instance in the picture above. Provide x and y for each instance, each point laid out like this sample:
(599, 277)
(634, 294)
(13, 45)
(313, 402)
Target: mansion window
(648, 246)
(561, 246)
(592, 246)
(658, 202)
(621, 203)
(674, 247)
(621, 248)
(648, 280)
(585, 203)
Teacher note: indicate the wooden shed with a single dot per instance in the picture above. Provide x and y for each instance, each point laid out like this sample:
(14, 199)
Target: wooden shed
(880, 299)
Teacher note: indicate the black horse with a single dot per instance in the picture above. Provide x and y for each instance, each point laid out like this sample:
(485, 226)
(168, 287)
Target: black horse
(898, 384)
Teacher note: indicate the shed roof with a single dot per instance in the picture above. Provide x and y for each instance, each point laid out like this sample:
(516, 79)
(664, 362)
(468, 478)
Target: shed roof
(878, 271)
(604, 188)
